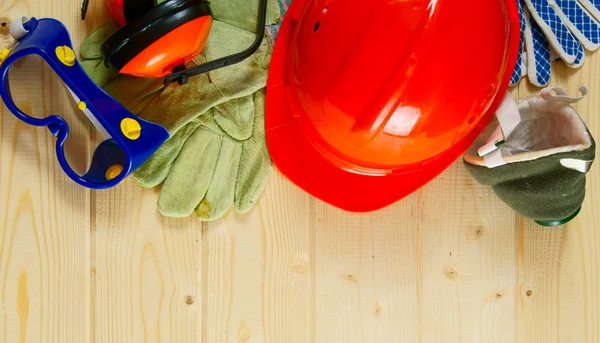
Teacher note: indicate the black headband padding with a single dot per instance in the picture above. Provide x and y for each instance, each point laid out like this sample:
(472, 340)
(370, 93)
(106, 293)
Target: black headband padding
(129, 41)
(134, 9)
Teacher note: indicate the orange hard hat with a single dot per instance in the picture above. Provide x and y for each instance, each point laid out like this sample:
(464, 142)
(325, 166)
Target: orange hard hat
(367, 101)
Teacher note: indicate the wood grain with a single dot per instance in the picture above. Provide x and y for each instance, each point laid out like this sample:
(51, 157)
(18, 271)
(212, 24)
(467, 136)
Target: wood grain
(44, 237)
(467, 262)
(365, 274)
(559, 297)
(450, 263)
(258, 271)
(147, 270)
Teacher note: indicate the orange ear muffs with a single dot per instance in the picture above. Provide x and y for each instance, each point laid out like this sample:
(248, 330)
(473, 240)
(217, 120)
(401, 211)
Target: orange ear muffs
(159, 40)
(126, 11)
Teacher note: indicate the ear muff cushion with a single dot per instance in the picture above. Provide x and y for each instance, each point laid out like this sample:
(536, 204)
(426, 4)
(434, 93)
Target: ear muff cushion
(132, 39)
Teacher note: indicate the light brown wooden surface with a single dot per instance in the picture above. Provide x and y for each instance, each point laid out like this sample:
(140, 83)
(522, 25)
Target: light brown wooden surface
(451, 263)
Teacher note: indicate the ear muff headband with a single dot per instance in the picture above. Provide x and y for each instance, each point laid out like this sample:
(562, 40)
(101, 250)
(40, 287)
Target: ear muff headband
(182, 74)
(134, 9)
(125, 44)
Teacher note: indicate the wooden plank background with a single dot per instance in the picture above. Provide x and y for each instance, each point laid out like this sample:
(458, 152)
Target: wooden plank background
(451, 263)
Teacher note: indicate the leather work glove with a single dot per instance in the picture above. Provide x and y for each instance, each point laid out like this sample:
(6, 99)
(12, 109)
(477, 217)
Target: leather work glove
(217, 154)
(553, 29)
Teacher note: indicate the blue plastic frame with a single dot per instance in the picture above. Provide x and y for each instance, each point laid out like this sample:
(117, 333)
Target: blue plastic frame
(43, 37)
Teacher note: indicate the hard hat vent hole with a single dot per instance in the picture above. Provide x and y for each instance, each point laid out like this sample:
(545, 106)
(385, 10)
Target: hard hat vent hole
(317, 26)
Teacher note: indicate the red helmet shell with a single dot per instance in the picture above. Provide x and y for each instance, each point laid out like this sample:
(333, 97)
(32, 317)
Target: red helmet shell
(369, 100)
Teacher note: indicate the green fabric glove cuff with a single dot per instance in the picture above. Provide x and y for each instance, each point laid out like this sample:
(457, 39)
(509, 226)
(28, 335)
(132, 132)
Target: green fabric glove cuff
(540, 168)
(542, 189)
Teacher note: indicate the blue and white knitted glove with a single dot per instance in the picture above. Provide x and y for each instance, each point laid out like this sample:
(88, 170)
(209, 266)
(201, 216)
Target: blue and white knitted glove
(561, 28)
(273, 30)
(535, 54)
(592, 6)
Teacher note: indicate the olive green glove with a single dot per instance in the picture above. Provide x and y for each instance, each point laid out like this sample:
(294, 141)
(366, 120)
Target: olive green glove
(217, 155)
(203, 168)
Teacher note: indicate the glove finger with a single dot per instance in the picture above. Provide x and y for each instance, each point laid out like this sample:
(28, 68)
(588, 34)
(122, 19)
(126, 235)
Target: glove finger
(98, 72)
(255, 163)
(538, 54)
(253, 175)
(220, 194)
(581, 23)
(236, 117)
(557, 33)
(175, 106)
(155, 170)
(244, 17)
(191, 174)
(520, 67)
(92, 60)
(91, 48)
(133, 92)
(520, 70)
(247, 76)
(593, 7)
(578, 61)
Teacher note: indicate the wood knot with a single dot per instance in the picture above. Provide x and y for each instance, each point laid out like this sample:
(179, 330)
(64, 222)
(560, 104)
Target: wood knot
(4, 26)
(476, 233)
(189, 299)
(529, 293)
(495, 295)
(350, 278)
(301, 265)
(450, 273)
(377, 309)
(243, 333)
(300, 268)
